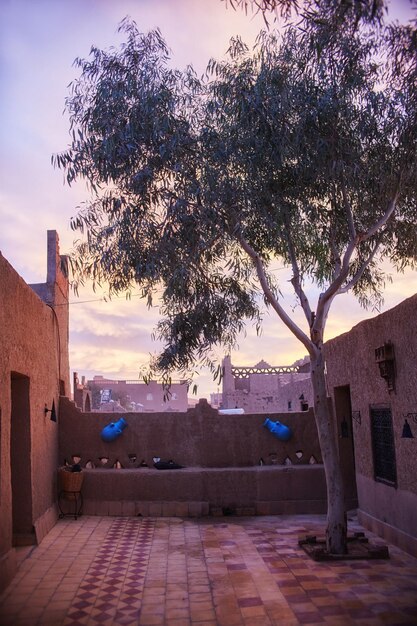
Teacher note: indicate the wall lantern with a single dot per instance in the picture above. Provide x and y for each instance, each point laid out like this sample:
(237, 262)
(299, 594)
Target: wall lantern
(51, 411)
(407, 432)
(385, 358)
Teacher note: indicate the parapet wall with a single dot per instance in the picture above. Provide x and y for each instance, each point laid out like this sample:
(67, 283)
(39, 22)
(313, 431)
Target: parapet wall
(198, 438)
(232, 464)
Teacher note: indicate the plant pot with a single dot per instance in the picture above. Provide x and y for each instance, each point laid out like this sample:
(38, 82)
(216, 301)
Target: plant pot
(70, 482)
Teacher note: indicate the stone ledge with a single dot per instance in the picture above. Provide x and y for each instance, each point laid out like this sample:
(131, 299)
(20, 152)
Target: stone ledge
(121, 508)
(195, 491)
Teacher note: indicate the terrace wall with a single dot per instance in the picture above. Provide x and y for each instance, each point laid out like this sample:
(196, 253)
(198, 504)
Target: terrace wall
(357, 388)
(33, 372)
(231, 463)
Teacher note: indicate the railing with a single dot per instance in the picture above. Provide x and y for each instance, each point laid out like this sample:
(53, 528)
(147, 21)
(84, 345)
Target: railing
(245, 372)
(107, 381)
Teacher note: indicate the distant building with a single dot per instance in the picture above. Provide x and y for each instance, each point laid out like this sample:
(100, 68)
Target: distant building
(136, 396)
(266, 388)
(82, 395)
(216, 400)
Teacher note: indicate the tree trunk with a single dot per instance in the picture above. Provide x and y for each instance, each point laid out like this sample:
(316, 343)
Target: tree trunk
(336, 532)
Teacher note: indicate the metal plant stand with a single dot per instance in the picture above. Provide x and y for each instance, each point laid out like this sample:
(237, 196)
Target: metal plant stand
(70, 499)
(74, 498)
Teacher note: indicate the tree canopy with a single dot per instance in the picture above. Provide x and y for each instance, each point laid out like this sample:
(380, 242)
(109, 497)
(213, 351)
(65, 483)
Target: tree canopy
(302, 150)
(337, 13)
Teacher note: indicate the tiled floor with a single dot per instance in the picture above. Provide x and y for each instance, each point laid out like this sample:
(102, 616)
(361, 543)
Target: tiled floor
(208, 572)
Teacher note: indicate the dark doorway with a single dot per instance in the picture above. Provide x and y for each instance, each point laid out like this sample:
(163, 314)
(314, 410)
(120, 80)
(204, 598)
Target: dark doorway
(20, 456)
(343, 410)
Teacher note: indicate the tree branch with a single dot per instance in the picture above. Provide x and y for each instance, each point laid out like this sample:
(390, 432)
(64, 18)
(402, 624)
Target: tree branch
(336, 286)
(384, 219)
(348, 211)
(270, 297)
(295, 281)
(360, 271)
(326, 298)
(335, 255)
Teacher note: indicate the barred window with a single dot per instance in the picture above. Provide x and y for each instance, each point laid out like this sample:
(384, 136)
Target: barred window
(382, 433)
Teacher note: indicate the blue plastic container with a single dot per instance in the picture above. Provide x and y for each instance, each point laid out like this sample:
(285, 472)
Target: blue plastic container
(280, 431)
(113, 430)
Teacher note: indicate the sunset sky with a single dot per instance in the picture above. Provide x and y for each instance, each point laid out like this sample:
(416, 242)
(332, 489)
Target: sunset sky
(39, 40)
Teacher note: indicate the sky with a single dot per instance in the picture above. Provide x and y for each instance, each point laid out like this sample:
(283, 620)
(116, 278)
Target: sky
(39, 40)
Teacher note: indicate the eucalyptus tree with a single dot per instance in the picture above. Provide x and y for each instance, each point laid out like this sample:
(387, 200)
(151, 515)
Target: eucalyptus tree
(336, 11)
(200, 186)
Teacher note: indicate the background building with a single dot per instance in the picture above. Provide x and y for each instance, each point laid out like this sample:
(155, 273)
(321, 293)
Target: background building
(81, 394)
(267, 388)
(133, 395)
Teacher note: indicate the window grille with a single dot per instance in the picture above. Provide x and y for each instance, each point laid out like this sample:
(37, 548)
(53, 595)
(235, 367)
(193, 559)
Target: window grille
(385, 469)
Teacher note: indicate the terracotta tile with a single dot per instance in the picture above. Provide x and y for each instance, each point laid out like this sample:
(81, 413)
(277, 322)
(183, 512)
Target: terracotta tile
(152, 620)
(177, 613)
(214, 572)
(338, 620)
(262, 620)
(229, 619)
(309, 618)
(201, 615)
(253, 611)
(325, 600)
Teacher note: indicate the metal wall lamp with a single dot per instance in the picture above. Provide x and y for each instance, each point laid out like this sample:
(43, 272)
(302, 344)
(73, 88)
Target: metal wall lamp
(51, 411)
(407, 432)
(385, 359)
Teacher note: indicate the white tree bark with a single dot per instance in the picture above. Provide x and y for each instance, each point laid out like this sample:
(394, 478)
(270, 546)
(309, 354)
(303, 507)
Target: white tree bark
(336, 531)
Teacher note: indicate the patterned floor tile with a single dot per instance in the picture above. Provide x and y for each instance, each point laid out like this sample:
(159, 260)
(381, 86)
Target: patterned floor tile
(202, 572)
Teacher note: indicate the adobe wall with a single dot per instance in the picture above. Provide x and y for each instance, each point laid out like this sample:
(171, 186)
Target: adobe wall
(389, 510)
(29, 378)
(198, 438)
(221, 455)
(55, 293)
